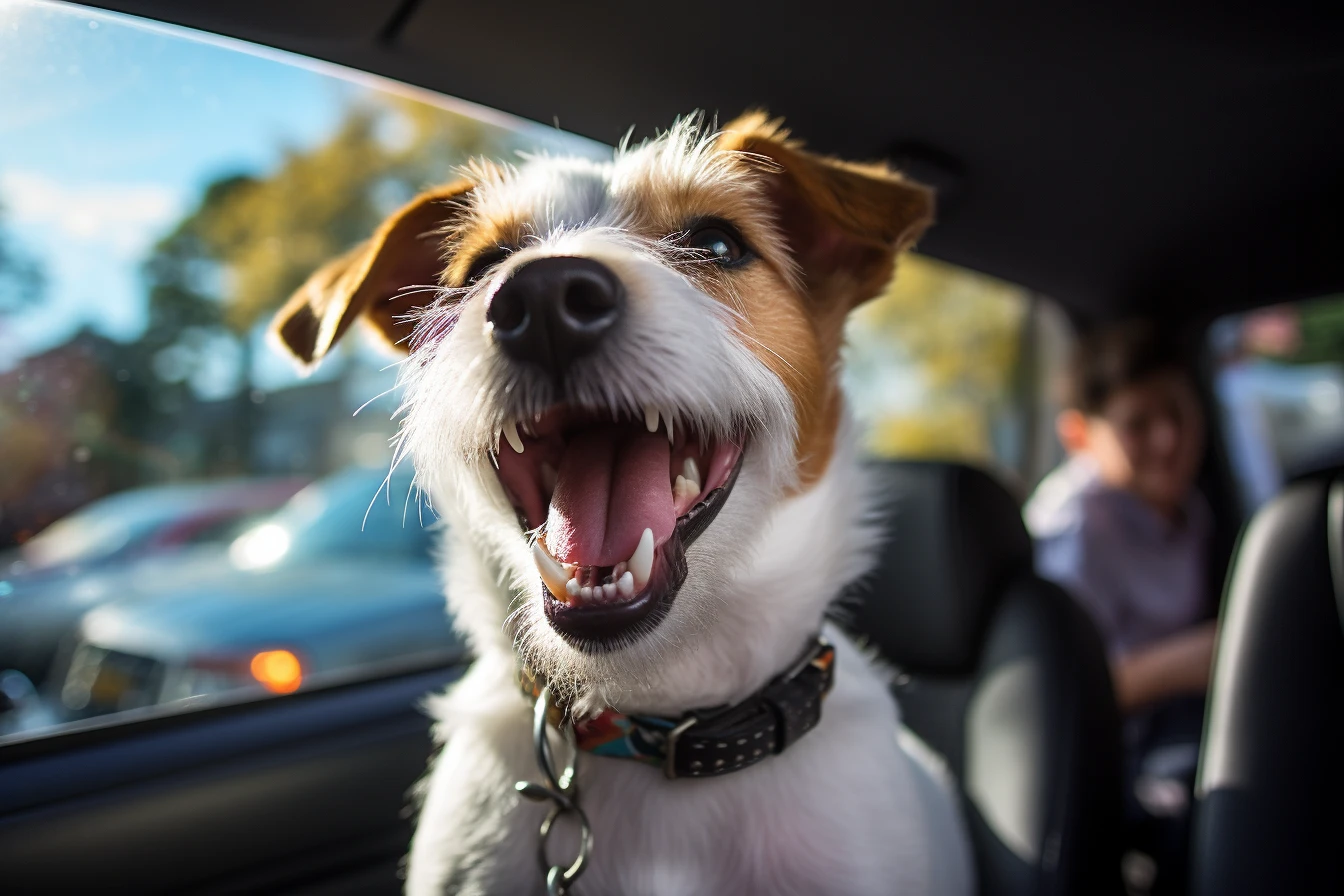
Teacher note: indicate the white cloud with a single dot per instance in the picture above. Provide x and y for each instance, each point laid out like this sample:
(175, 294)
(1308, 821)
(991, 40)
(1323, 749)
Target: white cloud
(125, 218)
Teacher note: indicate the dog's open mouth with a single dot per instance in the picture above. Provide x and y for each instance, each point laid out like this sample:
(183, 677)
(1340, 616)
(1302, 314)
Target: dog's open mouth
(616, 502)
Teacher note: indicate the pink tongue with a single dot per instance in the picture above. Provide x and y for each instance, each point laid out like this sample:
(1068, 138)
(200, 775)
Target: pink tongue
(613, 484)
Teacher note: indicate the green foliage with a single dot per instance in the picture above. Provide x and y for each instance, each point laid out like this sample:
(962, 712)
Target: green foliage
(1321, 325)
(932, 360)
(252, 240)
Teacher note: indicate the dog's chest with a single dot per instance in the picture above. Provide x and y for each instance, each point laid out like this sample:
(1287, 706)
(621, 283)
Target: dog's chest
(784, 826)
(843, 810)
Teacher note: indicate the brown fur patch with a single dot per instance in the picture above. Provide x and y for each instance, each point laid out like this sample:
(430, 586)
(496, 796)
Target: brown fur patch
(843, 224)
(368, 280)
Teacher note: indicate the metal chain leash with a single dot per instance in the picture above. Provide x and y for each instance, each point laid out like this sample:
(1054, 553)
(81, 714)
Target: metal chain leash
(563, 793)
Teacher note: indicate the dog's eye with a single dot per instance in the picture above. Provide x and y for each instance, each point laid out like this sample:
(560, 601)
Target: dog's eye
(484, 262)
(718, 244)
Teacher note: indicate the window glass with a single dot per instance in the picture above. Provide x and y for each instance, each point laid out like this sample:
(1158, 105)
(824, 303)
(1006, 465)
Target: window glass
(1279, 377)
(181, 515)
(955, 365)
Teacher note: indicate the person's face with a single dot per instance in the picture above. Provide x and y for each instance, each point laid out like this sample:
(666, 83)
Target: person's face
(1149, 440)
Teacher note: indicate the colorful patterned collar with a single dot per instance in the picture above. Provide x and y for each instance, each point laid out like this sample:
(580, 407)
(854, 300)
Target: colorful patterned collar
(703, 743)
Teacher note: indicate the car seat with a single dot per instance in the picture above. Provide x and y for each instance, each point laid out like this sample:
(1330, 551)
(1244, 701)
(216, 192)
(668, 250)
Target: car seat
(1002, 673)
(1271, 783)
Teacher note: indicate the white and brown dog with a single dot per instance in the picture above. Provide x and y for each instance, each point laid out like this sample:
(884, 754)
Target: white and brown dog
(622, 394)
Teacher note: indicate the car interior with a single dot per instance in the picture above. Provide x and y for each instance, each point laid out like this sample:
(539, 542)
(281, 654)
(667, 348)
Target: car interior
(1270, 742)
(997, 665)
(1122, 159)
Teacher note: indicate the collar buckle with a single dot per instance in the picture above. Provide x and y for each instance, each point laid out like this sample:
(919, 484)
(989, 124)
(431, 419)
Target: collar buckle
(670, 746)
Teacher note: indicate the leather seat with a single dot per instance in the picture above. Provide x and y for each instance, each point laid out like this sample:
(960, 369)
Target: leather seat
(1271, 781)
(1003, 674)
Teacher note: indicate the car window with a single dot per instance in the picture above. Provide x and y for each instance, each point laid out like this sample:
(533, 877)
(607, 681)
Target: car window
(182, 515)
(950, 364)
(1279, 378)
(209, 521)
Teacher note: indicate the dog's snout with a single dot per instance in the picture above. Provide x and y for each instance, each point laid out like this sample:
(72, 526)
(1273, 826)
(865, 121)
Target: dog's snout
(553, 311)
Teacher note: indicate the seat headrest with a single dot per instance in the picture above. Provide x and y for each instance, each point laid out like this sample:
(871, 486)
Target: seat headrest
(954, 540)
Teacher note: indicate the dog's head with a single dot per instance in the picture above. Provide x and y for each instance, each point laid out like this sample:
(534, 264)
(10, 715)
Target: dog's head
(618, 373)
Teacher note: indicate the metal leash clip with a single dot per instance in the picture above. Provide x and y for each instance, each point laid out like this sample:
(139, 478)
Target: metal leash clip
(562, 792)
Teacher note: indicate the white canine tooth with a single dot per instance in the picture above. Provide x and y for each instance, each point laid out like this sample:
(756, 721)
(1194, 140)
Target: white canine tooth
(669, 426)
(641, 561)
(691, 470)
(626, 584)
(552, 573)
(511, 433)
(549, 477)
(572, 587)
(586, 592)
(684, 489)
(609, 591)
(650, 418)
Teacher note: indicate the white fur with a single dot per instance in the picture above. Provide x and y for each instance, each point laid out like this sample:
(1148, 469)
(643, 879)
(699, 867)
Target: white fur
(848, 809)
(852, 808)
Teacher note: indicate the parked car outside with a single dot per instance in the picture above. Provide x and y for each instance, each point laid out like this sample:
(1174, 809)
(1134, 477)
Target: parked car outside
(341, 577)
(48, 583)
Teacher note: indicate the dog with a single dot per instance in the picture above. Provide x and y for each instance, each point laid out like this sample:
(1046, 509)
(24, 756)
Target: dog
(621, 391)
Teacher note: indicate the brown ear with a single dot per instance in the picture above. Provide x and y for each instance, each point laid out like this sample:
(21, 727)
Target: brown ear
(844, 221)
(372, 279)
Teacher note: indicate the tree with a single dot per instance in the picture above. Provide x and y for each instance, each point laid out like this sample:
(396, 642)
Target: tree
(252, 240)
(932, 360)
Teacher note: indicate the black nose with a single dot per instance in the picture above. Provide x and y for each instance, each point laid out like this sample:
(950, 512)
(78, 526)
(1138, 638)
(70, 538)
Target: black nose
(555, 310)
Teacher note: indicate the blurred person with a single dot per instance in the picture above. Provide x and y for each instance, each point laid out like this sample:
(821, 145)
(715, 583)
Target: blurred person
(1121, 526)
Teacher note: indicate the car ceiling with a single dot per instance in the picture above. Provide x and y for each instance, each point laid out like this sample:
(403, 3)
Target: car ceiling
(1121, 158)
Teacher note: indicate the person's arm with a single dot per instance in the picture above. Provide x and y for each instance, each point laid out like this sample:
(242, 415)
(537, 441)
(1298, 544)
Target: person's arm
(1176, 665)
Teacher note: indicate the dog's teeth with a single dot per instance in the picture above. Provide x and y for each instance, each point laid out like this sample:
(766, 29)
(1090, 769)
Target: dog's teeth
(511, 433)
(626, 585)
(609, 591)
(669, 427)
(586, 592)
(552, 573)
(549, 477)
(691, 470)
(684, 490)
(651, 418)
(641, 561)
(572, 587)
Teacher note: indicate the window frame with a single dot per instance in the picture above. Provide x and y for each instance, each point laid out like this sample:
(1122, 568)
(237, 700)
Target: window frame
(237, 796)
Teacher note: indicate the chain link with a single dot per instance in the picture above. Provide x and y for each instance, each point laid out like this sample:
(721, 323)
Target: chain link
(563, 793)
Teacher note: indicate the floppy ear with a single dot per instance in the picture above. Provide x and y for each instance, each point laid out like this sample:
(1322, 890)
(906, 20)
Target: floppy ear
(371, 279)
(844, 221)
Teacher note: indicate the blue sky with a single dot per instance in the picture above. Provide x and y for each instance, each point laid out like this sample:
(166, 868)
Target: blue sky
(107, 134)
(109, 130)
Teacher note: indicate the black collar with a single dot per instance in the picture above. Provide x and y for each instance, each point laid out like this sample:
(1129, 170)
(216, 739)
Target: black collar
(703, 743)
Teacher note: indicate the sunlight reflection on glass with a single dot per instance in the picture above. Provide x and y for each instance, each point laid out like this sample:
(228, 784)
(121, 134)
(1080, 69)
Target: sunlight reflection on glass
(260, 547)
